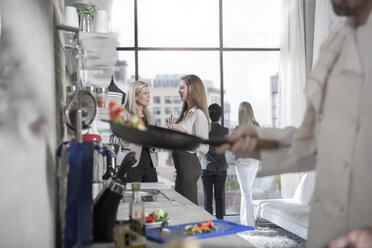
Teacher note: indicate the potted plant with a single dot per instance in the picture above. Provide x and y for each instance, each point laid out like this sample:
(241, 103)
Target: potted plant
(86, 17)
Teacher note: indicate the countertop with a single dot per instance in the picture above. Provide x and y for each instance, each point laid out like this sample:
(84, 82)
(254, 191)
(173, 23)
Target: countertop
(180, 210)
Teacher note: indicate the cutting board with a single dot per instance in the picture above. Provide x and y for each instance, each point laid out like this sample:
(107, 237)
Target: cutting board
(224, 228)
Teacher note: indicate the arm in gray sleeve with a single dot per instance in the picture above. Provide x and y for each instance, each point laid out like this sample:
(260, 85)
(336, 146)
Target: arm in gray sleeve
(279, 161)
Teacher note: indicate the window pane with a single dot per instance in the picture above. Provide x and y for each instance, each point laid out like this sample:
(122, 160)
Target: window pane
(156, 99)
(168, 111)
(182, 23)
(247, 77)
(251, 23)
(124, 69)
(177, 99)
(156, 111)
(122, 21)
(168, 99)
(165, 70)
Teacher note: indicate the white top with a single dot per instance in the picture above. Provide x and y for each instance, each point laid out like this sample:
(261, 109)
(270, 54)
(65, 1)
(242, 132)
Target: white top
(343, 191)
(196, 123)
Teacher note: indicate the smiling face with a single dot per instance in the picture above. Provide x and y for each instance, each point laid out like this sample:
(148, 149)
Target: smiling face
(349, 7)
(184, 91)
(143, 98)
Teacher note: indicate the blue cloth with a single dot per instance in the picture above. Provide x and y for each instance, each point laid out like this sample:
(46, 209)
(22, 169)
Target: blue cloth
(78, 215)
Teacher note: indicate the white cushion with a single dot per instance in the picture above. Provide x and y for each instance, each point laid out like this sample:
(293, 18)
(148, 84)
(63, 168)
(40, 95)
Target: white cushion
(286, 209)
(305, 190)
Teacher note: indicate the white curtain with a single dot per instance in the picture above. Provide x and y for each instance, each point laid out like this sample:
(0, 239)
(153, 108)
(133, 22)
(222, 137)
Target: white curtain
(292, 77)
(292, 72)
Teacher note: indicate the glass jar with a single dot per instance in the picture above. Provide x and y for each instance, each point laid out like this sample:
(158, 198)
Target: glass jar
(86, 23)
(101, 95)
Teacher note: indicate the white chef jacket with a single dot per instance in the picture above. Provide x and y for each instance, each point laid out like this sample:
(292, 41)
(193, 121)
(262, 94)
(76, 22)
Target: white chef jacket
(343, 192)
(196, 123)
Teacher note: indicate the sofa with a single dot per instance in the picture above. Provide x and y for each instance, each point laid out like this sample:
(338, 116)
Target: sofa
(292, 213)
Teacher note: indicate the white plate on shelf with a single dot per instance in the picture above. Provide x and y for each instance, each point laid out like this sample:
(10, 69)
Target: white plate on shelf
(158, 223)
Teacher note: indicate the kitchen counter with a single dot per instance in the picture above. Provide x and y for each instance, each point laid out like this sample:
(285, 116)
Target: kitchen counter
(180, 211)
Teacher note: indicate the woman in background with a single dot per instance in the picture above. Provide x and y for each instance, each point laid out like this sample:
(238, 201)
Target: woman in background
(214, 166)
(136, 103)
(192, 120)
(246, 169)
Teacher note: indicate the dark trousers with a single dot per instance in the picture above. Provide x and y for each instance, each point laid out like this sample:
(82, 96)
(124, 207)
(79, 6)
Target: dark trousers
(214, 181)
(145, 175)
(188, 170)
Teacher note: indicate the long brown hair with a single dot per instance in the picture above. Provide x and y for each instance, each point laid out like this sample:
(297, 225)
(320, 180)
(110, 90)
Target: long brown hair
(130, 101)
(197, 94)
(246, 115)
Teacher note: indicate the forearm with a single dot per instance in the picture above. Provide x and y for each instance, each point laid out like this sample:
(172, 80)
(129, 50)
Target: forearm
(279, 161)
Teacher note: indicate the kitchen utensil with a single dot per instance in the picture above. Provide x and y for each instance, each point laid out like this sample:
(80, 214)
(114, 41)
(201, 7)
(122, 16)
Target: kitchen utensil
(177, 232)
(107, 202)
(88, 108)
(170, 139)
(164, 231)
(126, 164)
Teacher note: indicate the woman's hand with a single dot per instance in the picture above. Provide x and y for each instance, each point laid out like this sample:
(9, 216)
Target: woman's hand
(177, 127)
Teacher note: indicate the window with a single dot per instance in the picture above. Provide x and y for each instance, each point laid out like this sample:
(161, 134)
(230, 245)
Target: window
(168, 99)
(168, 111)
(177, 99)
(236, 65)
(158, 122)
(156, 99)
(156, 111)
(177, 111)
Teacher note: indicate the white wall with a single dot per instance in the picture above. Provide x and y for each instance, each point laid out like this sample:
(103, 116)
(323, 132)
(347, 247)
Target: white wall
(27, 131)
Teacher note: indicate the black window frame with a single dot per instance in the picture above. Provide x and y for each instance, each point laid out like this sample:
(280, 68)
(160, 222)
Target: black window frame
(221, 49)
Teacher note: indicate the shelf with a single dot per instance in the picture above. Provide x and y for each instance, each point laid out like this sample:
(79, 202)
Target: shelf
(98, 50)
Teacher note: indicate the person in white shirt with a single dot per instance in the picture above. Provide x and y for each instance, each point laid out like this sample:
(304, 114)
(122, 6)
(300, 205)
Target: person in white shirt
(246, 169)
(335, 137)
(193, 120)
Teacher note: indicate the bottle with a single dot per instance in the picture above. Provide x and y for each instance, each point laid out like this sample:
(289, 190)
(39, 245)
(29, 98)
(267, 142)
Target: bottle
(137, 219)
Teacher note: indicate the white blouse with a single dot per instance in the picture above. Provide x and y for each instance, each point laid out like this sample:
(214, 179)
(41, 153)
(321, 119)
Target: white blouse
(196, 123)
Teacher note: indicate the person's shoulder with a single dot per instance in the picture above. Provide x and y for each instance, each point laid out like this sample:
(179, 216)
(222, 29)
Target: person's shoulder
(199, 112)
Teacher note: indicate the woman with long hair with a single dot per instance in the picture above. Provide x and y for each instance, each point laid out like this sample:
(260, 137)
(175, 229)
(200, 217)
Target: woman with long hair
(136, 103)
(246, 169)
(193, 120)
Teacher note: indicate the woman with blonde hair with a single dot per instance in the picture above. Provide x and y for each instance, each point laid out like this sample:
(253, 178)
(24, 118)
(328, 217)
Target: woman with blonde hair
(136, 103)
(246, 169)
(193, 120)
